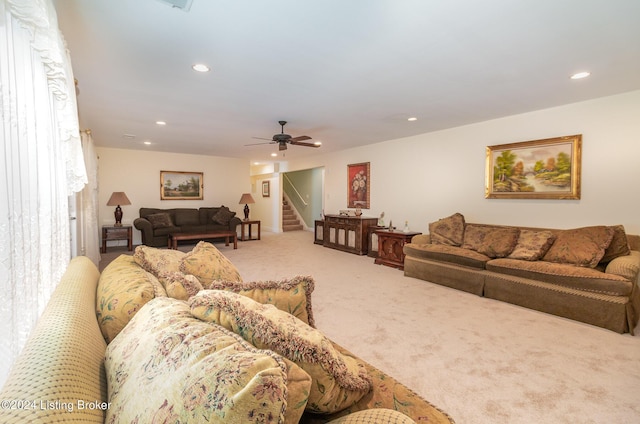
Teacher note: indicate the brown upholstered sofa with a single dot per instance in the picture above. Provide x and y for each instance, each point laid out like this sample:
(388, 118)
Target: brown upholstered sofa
(588, 274)
(155, 225)
(62, 374)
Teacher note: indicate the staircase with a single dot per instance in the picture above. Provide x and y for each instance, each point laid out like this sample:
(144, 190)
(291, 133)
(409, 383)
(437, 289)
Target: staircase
(290, 221)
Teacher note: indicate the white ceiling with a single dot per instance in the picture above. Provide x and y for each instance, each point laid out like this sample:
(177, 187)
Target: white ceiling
(347, 73)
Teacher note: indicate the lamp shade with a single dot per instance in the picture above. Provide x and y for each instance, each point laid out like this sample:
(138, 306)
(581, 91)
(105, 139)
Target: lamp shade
(246, 198)
(118, 198)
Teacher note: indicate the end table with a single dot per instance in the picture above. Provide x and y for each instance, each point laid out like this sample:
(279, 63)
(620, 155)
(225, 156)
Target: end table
(248, 223)
(390, 244)
(111, 232)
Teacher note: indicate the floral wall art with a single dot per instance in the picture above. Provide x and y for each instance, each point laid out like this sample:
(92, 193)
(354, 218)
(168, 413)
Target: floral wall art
(359, 185)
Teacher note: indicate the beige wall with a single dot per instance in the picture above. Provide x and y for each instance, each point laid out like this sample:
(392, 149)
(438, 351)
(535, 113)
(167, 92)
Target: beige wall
(430, 176)
(137, 173)
(421, 178)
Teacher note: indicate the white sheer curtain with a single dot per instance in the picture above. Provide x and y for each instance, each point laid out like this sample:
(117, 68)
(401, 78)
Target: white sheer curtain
(88, 233)
(41, 166)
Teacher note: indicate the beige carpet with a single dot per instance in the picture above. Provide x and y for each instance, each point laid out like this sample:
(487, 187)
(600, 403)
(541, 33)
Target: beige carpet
(480, 360)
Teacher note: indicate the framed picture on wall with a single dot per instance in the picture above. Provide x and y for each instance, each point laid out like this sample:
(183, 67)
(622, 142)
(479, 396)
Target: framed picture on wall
(265, 189)
(538, 169)
(358, 185)
(177, 185)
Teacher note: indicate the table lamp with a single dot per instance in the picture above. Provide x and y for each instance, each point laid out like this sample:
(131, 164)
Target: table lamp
(118, 198)
(246, 199)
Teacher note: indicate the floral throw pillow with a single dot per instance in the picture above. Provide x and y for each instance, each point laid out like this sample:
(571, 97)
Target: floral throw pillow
(581, 246)
(289, 295)
(207, 264)
(532, 245)
(156, 260)
(168, 366)
(122, 290)
(449, 231)
(338, 381)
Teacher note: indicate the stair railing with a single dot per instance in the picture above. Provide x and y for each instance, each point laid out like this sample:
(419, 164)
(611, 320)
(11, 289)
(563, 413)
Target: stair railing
(295, 190)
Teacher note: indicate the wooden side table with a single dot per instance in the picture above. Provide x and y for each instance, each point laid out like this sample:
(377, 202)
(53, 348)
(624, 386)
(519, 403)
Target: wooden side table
(248, 224)
(111, 232)
(390, 244)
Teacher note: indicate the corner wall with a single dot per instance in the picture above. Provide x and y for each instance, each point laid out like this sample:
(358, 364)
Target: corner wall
(137, 173)
(430, 176)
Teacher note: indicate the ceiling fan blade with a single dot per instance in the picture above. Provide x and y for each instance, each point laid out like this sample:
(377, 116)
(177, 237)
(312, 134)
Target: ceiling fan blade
(301, 138)
(257, 144)
(298, 143)
(261, 138)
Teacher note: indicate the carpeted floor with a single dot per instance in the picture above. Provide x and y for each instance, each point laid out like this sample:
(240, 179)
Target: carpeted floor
(480, 360)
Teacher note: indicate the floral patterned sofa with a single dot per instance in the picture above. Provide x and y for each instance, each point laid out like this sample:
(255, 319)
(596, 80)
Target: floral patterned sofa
(155, 225)
(165, 335)
(588, 274)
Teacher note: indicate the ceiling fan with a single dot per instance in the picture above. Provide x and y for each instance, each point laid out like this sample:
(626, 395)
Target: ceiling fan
(282, 139)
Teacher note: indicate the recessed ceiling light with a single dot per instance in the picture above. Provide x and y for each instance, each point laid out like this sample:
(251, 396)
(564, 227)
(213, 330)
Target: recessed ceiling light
(161, 123)
(273, 155)
(580, 75)
(317, 143)
(148, 143)
(413, 118)
(200, 67)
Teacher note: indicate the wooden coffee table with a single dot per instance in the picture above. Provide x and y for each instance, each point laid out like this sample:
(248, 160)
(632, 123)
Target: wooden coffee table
(175, 237)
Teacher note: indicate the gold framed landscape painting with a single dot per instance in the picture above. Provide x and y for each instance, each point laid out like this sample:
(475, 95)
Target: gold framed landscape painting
(177, 185)
(537, 169)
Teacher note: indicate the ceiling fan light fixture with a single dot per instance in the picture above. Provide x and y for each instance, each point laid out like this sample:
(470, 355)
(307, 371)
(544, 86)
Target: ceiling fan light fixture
(580, 75)
(200, 67)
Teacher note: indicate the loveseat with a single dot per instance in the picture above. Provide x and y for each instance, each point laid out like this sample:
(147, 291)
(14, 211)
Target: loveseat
(156, 225)
(126, 345)
(588, 274)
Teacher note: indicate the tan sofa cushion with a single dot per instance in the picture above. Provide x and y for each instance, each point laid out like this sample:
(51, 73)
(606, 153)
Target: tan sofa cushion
(532, 245)
(167, 366)
(207, 264)
(448, 231)
(568, 275)
(338, 381)
(445, 253)
(123, 288)
(580, 246)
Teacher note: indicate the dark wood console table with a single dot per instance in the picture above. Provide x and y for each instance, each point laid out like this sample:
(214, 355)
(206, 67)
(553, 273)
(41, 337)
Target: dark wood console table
(347, 233)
